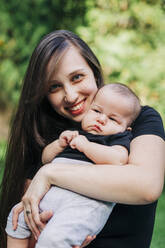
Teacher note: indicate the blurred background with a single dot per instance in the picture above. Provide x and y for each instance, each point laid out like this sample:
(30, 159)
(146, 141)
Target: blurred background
(128, 37)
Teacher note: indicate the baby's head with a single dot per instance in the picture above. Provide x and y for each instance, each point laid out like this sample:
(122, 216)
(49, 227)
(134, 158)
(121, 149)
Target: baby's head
(114, 108)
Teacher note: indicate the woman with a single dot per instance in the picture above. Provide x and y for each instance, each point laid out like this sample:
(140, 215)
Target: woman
(62, 78)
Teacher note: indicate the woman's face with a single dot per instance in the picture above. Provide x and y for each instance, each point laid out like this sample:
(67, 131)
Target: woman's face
(73, 86)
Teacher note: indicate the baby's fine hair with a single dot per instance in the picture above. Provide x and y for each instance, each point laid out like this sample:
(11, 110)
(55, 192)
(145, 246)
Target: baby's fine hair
(125, 91)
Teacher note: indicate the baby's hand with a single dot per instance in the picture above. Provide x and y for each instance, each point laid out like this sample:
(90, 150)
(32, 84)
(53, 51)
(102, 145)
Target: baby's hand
(66, 137)
(79, 143)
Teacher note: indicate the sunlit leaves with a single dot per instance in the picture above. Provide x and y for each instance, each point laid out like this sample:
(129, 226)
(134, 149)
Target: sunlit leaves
(129, 37)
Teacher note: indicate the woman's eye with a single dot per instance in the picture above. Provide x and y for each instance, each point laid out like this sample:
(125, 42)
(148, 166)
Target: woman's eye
(77, 77)
(54, 87)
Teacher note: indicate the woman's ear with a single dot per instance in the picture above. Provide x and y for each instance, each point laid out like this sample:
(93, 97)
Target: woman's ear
(129, 128)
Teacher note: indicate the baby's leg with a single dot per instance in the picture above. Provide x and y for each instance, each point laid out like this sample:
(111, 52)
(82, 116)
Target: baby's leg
(19, 237)
(75, 217)
(17, 243)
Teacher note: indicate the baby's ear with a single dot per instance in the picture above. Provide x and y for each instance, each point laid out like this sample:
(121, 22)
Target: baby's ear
(129, 128)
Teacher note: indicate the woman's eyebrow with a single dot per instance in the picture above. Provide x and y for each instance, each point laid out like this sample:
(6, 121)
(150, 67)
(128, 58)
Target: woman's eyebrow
(53, 81)
(76, 71)
(80, 70)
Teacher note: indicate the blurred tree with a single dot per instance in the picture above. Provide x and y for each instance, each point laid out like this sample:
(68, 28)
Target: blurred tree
(128, 36)
(22, 24)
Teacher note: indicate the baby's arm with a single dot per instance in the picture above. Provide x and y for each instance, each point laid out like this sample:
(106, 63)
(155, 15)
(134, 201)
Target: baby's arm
(100, 154)
(57, 146)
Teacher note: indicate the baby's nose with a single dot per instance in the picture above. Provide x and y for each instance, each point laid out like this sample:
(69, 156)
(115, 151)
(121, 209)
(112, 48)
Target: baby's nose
(102, 119)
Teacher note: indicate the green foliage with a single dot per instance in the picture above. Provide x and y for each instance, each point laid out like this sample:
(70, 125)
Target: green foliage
(129, 37)
(22, 25)
(2, 158)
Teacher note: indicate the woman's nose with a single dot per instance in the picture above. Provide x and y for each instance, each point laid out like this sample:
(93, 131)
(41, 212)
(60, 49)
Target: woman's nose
(102, 119)
(70, 95)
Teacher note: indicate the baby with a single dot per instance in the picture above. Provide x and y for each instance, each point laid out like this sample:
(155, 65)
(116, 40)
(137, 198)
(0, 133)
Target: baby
(104, 139)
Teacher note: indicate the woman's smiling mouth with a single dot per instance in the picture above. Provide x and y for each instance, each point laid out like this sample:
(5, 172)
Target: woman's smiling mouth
(77, 108)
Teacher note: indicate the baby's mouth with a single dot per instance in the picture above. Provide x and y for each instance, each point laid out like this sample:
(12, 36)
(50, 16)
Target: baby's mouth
(96, 128)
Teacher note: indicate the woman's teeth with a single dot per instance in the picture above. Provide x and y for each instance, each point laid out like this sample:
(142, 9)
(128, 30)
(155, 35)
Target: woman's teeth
(77, 107)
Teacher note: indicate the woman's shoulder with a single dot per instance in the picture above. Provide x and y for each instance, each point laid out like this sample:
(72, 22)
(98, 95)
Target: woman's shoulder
(148, 114)
(149, 121)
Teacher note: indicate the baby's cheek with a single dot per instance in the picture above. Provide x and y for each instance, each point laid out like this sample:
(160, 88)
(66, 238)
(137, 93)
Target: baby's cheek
(84, 123)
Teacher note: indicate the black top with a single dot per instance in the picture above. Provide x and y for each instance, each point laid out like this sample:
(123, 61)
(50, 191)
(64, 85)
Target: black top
(131, 226)
(122, 139)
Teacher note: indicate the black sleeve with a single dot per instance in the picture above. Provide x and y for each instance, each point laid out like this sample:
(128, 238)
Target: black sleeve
(121, 139)
(32, 170)
(148, 122)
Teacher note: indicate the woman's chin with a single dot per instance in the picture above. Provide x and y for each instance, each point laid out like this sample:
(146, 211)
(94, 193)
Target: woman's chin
(77, 118)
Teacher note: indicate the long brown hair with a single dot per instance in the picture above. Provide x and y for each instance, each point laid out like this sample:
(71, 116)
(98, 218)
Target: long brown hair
(35, 123)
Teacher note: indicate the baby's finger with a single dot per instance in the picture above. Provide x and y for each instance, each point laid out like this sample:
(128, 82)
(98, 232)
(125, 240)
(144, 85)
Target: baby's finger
(73, 144)
(76, 133)
(72, 135)
(63, 141)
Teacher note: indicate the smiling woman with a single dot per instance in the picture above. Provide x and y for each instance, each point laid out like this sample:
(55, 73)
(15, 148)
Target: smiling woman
(59, 86)
(36, 122)
(73, 85)
(103, 141)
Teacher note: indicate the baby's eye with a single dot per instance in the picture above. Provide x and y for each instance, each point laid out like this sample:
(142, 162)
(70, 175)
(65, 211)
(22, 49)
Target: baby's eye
(77, 77)
(54, 88)
(111, 118)
(96, 110)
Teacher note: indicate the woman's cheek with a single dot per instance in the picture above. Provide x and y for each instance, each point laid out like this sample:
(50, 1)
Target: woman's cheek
(54, 101)
(89, 88)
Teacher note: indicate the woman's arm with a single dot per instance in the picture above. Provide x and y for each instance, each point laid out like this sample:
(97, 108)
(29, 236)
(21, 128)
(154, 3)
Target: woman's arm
(140, 182)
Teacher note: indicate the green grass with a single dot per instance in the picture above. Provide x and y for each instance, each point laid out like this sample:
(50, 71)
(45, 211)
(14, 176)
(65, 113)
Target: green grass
(158, 240)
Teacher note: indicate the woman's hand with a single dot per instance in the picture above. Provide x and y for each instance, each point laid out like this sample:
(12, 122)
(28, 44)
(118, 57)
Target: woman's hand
(86, 242)
(38, 188)
(44, 216)
(16, 211)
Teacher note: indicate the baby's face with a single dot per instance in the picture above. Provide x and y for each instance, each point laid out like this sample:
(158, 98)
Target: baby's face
(109, 113)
